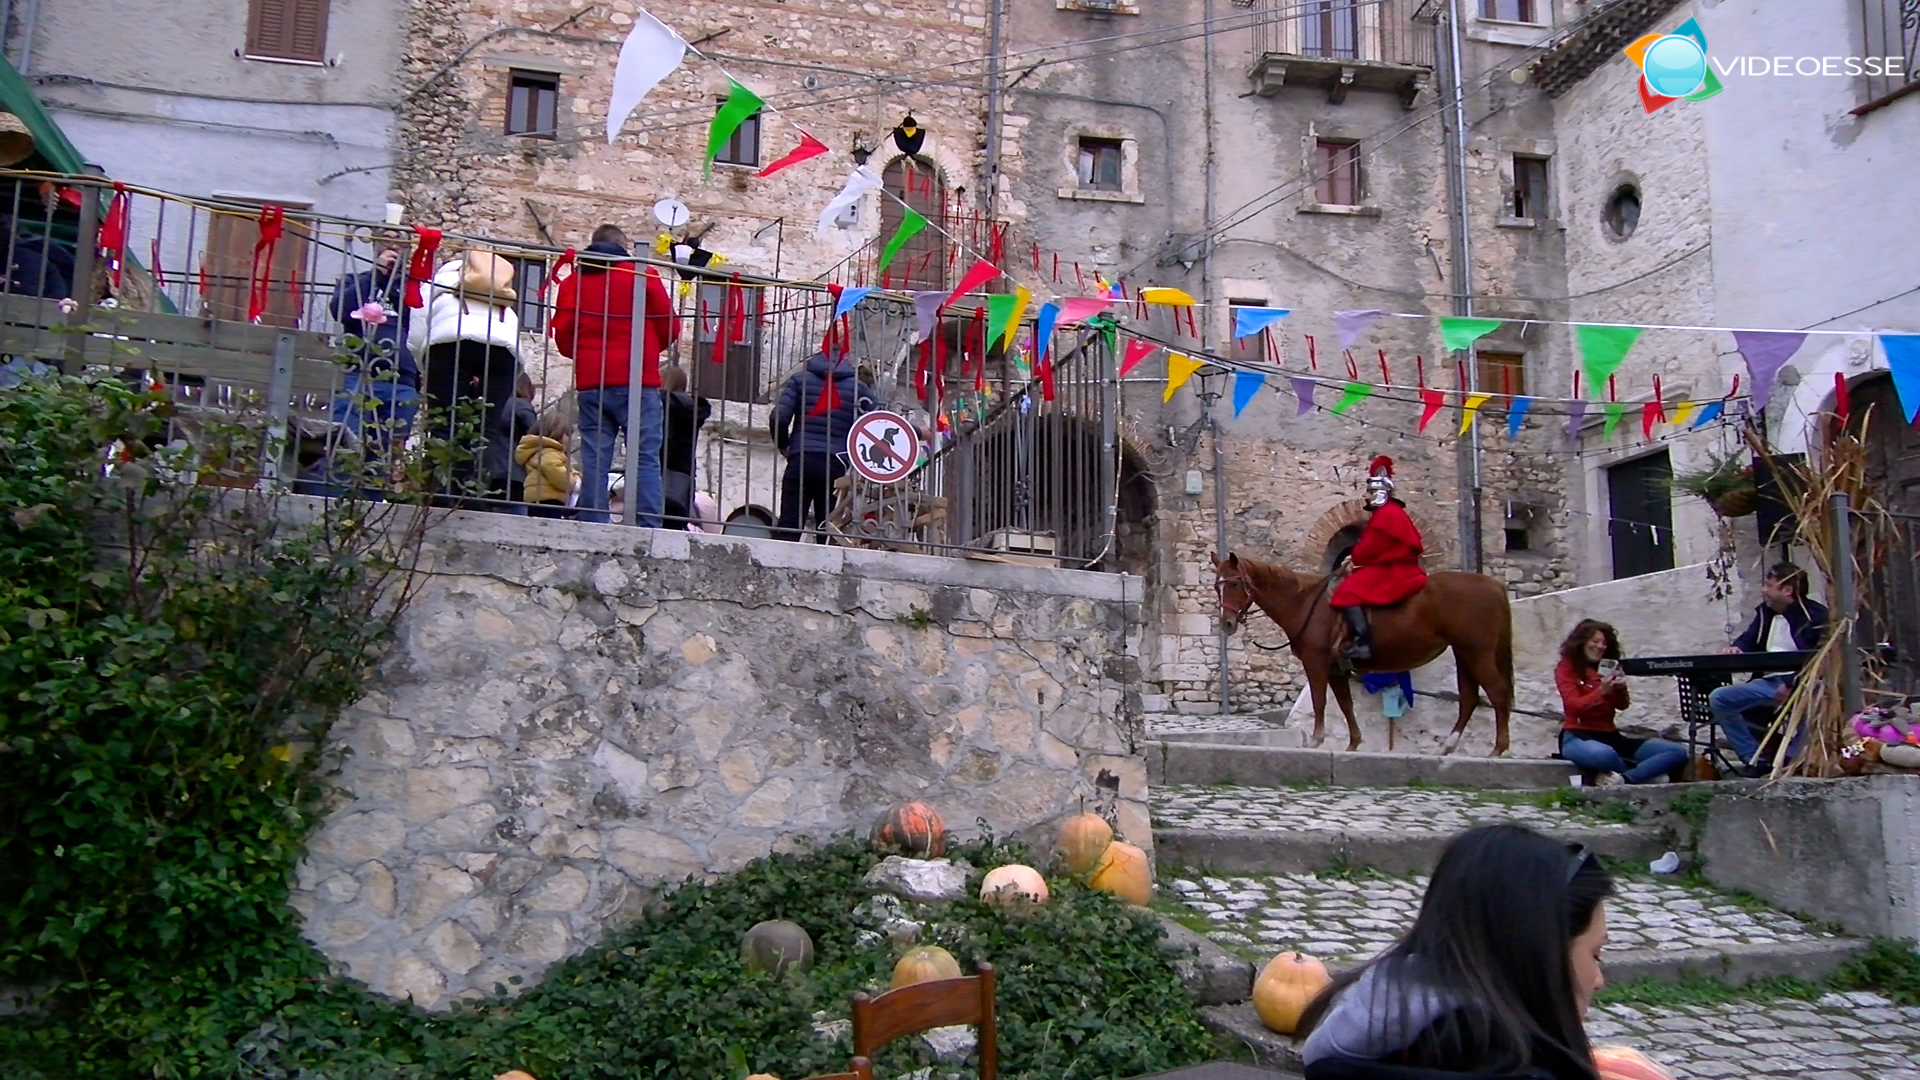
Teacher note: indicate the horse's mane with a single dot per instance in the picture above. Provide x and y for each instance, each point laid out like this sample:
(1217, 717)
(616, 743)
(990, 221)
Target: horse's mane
(1270, 574)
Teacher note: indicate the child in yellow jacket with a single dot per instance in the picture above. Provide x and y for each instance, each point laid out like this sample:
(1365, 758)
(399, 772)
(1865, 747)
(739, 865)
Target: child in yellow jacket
(546, 453)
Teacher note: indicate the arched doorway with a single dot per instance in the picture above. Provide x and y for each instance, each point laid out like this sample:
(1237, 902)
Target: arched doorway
(1340, 547)
(1893, 476)
(921, 262)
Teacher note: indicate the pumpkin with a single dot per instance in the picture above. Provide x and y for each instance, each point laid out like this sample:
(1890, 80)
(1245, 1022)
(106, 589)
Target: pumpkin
(1083, 839)
(1013, 888)
(1122, 871)
(911, 829)
(514, 1074)
(776, 946)
(928, 963)
(763, 1076)
(1285, 986)
(1621, 1063)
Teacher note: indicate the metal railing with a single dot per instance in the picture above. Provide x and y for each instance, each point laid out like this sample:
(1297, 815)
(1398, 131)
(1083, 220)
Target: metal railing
(1890, 34)
(238, 308)
(1363, 31)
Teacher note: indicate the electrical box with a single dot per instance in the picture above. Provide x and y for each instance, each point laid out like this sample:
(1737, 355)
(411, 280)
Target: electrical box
(1195, 482)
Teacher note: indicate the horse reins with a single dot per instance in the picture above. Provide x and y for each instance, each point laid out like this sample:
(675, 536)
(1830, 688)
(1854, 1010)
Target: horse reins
(1252, 607)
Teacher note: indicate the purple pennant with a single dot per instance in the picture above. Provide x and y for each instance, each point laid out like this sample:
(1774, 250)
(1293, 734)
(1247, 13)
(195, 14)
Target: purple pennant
(926, 313)
(1576, 412)
(1352, 324)
(1765, 351)
(1303, 389)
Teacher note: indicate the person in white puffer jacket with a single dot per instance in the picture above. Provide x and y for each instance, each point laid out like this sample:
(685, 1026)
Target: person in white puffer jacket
(467, 341)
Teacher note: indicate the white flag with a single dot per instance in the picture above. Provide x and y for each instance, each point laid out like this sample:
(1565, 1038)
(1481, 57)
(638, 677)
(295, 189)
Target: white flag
(860, 181)
(650, 53)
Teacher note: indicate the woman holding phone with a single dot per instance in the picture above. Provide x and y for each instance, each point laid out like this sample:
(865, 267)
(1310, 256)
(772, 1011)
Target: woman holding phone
(1592, 691)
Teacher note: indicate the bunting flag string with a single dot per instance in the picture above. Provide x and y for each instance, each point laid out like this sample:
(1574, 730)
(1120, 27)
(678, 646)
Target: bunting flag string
(1353, 394)
(1248, 321)
(741, 104)
(1615, 410)
(808, 149)
(1137, 350)
(1458, 332)
(1602, 348)
(650, 53)
(1180, 368)
(1245, 385)
(1576, 417)
(1303, 388)
(911, 222)
(1517, 415)
(1431, 402)
(1903, 362)
(1470, 409)
(1351, 324)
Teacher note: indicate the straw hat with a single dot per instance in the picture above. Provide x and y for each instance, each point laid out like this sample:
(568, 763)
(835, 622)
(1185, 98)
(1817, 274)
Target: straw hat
(16, 142)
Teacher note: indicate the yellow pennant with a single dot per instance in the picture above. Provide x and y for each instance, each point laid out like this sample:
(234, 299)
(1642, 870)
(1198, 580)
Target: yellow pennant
(1471, 409)
(1174, 297)
(1681, 412)
(1180, 368)
(1022, 296)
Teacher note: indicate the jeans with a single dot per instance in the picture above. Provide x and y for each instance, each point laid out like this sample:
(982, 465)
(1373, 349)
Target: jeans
(1729, 706)
(1653, 757)
(603, 414)
(807, 490)
(379, 411)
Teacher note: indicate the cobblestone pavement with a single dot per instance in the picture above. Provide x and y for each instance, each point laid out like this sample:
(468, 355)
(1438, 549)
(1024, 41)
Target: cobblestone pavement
(1341, 920)
(1840, 1037)
(1350, 810)
(1205, 724)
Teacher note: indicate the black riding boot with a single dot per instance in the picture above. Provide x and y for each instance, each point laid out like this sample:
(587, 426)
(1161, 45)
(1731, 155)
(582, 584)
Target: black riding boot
(1360, 646)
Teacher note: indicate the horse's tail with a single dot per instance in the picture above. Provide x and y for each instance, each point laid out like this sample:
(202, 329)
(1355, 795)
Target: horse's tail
(1503, 651)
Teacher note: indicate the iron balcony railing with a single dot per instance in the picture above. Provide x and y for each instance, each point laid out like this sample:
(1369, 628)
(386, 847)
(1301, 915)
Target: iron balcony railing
(1360, 31)
(1890, 36)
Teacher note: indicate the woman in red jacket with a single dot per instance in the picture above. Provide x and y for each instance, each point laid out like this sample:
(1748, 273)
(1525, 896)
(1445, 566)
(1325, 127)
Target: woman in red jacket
(1590, 696)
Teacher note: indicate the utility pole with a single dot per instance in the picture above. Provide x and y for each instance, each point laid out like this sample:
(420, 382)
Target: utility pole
(1459, 201)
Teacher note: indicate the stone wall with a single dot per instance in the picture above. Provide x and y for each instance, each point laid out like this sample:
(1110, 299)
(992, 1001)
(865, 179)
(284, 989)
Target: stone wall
(575, 715)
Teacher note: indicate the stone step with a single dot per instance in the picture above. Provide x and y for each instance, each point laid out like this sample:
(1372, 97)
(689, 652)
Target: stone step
(1240, 829)
(1182, 762)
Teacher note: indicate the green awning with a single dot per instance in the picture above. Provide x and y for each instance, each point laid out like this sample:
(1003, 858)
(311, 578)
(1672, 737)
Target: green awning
(51, 150)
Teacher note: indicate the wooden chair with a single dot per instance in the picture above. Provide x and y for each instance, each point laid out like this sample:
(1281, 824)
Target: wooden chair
(922, 1007)
(862, 1070)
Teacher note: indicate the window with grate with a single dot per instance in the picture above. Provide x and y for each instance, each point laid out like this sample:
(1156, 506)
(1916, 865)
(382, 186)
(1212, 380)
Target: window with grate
(1329, 28)
(533, 104)
(744, 147)
(1099, 164)
(1337, 178)
(528, 276)
(287, 30)
(1502, 373)
(1530, 188)
(1890, 49)
(1518, 11)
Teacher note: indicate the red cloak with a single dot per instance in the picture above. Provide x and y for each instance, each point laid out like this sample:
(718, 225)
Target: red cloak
(1386, 561)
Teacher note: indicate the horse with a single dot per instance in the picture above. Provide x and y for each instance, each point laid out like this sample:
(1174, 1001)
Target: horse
(1464, 612)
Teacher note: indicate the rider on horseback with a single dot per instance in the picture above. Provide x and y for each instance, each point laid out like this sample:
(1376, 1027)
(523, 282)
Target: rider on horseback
(1386, 561)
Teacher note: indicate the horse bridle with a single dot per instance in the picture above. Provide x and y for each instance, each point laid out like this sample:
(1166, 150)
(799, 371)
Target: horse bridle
(1220, 593)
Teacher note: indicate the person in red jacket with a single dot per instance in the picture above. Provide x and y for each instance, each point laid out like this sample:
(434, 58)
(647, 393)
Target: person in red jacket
(593, 326)
(1592, 690)
(1386, 561)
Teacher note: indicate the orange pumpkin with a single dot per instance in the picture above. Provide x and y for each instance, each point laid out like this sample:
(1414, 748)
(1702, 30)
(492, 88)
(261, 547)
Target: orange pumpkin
(928, 963)
(1013, 888)
(514, 1074)
(911, 829)
(1083, 839)
(1123, 871)
(1285, 987)
(1621, 1063)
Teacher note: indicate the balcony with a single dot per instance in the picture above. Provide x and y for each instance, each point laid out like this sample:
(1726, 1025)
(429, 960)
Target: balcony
(1341, 45)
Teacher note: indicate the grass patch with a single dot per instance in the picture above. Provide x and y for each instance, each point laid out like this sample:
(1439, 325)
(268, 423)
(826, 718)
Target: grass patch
(1653, 992)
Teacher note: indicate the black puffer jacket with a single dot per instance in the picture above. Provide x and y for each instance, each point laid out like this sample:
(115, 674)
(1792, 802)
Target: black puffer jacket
(797, 432)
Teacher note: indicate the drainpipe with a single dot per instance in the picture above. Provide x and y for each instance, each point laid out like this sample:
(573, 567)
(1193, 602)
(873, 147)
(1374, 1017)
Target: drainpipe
(995, 18)
(28, 20)
(1206, 336)
(1219, 534)
(1459, 203)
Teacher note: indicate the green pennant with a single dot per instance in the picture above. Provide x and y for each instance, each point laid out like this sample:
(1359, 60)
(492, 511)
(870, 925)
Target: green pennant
(741, 103)
(1601, 350)
(1109, 332)
(1355, 393)
(1457, 332)
(1615, 410)
(1000, 309)
(910, 227)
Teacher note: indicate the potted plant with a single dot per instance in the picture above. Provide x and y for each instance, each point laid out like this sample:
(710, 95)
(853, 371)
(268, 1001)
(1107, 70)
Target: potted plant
(1726, 484)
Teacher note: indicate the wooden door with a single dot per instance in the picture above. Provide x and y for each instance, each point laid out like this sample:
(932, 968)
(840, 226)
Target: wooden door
(1890, 610)
(921, 262)
(1640, 515)
(227, 268)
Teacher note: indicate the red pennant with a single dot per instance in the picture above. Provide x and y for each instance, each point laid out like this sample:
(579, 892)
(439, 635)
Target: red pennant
(1137, 351)
(1841, 406)
(981, 272)
(809, 148)
(1431, 401)
(273, 221)
(566, 259)
(114, 230)
(420, 267)
(1650, 414)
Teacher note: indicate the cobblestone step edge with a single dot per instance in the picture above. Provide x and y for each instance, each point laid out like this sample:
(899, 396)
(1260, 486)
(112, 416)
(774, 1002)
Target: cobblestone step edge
(1277, 766)
(1256, 851)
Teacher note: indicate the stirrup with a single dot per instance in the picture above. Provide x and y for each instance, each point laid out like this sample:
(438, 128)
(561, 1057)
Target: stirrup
(1357, 651)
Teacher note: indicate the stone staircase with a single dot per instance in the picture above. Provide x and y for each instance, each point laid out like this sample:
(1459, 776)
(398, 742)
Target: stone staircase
(1265, 847)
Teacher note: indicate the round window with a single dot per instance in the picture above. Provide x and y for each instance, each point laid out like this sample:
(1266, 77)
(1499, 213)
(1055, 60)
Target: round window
(1622, 214)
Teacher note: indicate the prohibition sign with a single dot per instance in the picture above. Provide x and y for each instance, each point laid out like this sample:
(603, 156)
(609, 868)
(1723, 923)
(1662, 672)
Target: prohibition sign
(883, 447)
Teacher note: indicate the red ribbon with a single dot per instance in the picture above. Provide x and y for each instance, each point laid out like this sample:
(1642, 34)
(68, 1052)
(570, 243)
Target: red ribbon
(829, 398)
(1313, 356)
(980, 363)
(1841, 406)
(114, 230)
(922, 373)
(1386, 377)
(833, 303)
(420, 268)
(730, 322)
(273, 224)
(567, 258)
(159, 276)
(1044, 373)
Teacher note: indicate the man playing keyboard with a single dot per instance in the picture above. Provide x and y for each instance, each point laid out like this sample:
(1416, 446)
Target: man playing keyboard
(1786, 621)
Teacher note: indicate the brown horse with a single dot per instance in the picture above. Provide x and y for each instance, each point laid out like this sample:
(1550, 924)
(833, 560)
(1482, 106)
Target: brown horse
(1465, 612)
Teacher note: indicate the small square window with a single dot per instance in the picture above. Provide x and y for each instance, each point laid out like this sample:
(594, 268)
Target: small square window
(1252, 349)
(1518, 11)
(533, 104)
(743, 147)
(1099, 164)
(1337, 178)
(1502, 373)
(529, 275)
(1530, 188)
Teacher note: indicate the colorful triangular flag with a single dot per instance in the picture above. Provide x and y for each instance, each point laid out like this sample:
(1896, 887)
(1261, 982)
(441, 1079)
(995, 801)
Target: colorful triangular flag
(1351, 324)
(1043, 331)
(1903, 363)
(1458, 332)
(1601, 350)
(1180, 368)
(740, 105)
(650, 53)
(1248, 321)
(1615, 410)
(977, 275)
(1353, 394)
(850, 298)
(1245, 385)
(1171, 297)
(1137, 351)
(1303, 388)
(808, 149)
(1709, 414)
(1431, 402)
(1470, 409)
(1517, 415)
(910, 225)
(860, 181)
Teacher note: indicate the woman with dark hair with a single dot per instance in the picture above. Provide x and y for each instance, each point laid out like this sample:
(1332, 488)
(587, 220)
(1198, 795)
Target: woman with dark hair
(1493, 981)
(1592, 690)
